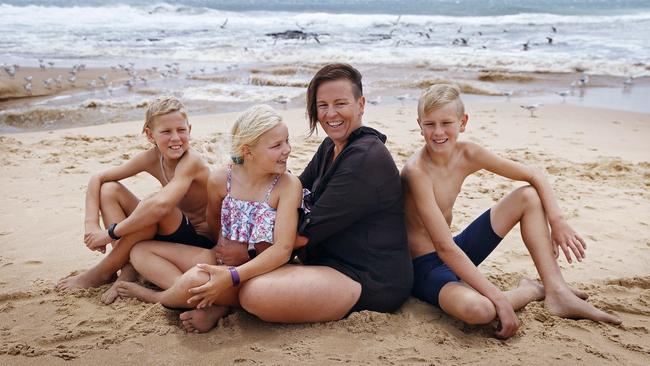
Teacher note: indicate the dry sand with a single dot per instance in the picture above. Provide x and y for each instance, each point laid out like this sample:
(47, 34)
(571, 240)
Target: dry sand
(597, 159)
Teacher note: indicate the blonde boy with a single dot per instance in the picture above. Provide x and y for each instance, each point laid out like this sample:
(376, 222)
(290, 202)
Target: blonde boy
(176, 213)
(433, 178)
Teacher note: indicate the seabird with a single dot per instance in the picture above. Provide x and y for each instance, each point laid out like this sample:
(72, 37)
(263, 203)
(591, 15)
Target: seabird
(563, 94)
(531, 108)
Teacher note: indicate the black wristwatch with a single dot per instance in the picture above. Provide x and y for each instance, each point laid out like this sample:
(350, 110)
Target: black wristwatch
(111, 231)
(252, 252)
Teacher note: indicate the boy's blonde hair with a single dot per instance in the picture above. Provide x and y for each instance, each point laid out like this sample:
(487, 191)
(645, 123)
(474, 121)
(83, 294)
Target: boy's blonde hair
(438, 95)
(249, 127)
(162, 106)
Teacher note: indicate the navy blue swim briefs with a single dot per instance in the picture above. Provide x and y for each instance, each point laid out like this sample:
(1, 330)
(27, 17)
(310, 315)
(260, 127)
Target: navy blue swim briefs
(478, 240)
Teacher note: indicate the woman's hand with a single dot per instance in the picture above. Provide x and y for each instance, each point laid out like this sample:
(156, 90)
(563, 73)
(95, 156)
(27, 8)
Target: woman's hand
(209, 292)
(568, 240)
(235, 253)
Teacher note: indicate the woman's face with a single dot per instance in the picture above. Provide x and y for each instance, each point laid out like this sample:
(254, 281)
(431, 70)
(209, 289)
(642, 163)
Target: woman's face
(339, 114)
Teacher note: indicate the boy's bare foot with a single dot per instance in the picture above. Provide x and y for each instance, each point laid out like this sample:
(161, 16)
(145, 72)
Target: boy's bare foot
(534, 287)
(127, 274)
(132, 289)
(566, 304)
(87, 279)
(202, 320)
(581, 294)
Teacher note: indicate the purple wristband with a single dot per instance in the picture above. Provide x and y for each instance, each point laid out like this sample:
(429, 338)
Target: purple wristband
(234, 275)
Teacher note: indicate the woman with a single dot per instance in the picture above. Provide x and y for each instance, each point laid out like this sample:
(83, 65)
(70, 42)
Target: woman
(356, 256)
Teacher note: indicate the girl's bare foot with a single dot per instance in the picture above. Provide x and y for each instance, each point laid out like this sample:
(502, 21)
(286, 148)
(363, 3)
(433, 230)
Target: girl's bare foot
(132, 289)
(87, 279)
(127, 274)
(566, 304)
(202, 320)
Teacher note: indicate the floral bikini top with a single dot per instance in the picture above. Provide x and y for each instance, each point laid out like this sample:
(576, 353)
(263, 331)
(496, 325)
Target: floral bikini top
(250, 222)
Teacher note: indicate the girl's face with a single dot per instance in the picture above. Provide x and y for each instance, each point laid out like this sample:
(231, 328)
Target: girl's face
(272, 150)
(339, 113)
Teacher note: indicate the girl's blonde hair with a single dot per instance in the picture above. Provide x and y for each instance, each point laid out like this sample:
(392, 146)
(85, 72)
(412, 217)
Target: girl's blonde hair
(249, 127)
(439, 95)
(162, 106)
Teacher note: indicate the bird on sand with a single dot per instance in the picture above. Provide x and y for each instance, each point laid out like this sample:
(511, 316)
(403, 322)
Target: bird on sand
(531, 108)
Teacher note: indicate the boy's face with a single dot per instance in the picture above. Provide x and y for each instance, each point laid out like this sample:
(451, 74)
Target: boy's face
(441, 127)
(171, 133)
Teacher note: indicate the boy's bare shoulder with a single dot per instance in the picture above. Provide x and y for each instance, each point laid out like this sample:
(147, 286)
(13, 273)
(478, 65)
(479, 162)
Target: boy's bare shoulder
(415, 165)
(470, 150)
(195, 159)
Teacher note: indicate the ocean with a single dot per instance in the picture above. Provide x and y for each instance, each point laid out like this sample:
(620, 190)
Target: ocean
(396, 38)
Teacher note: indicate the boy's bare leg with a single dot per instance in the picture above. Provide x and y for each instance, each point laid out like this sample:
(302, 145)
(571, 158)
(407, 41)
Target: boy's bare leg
(466, 304)
(524, 206)
(116, 203)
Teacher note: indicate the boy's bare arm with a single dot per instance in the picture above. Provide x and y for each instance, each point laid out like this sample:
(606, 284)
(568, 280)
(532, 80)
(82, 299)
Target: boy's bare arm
(150, 210)
(137, 164)
(563, 235)
(436, 226)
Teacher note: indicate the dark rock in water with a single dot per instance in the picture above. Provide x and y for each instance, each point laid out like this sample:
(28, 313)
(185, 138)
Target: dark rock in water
(293, 34)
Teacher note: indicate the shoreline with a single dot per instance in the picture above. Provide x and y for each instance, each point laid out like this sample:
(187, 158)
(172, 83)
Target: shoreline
(93, 101)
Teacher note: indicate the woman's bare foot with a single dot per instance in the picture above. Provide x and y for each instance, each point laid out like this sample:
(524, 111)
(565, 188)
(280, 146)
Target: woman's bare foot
(127, 274)
(566, 304)
(132, 289)
(87, 279)
(202, 320)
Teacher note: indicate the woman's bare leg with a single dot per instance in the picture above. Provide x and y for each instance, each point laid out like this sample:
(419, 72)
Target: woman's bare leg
(313, 293)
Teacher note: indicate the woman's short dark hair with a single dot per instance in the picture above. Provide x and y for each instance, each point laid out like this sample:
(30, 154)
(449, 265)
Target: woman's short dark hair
(330, 72)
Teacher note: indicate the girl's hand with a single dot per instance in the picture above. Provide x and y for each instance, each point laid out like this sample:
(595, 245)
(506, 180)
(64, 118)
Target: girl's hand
(568, 240)
(209, 292)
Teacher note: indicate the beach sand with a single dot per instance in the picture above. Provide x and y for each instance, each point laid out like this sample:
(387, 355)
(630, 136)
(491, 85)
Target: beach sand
(597, 160)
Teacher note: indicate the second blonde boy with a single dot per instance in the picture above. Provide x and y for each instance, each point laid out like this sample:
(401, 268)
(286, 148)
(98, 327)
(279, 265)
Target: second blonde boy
(433, 178)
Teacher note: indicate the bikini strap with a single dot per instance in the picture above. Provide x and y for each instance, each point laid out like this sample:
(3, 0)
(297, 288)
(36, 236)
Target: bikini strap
(229, 179)
(268, 191)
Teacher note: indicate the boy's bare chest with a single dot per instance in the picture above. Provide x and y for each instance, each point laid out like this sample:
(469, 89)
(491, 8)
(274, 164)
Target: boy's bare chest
(446, 188)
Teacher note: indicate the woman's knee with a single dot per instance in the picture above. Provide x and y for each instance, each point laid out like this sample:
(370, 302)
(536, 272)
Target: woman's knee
(251, 294)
